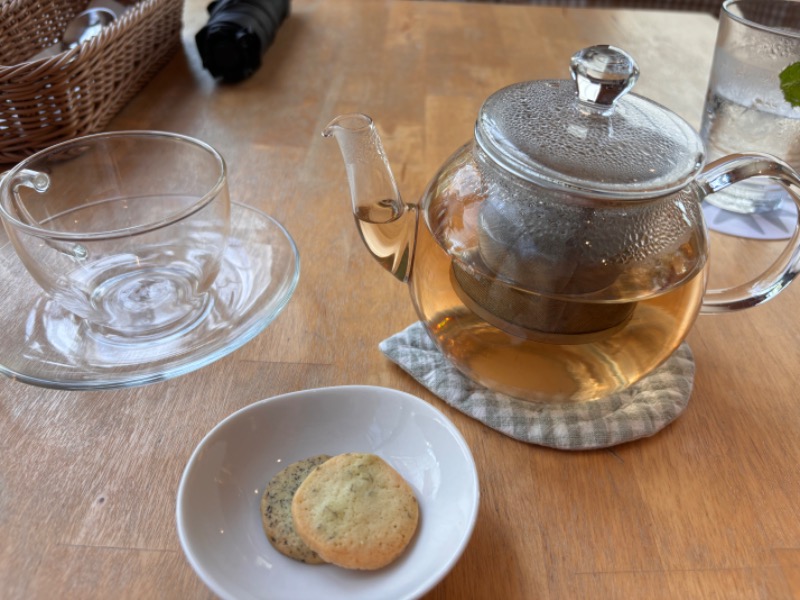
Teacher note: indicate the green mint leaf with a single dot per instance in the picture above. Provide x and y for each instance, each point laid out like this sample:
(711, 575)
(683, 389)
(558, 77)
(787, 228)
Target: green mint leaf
(790, 83)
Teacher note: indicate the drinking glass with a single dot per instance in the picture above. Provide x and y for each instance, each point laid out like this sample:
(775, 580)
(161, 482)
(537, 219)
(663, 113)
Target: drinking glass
(745, 108)
(126, 230)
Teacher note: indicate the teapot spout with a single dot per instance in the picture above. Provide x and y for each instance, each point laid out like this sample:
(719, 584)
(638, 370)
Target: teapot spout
(387, 225)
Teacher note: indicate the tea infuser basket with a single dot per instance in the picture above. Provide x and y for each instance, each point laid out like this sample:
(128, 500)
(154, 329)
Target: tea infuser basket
(77, 91)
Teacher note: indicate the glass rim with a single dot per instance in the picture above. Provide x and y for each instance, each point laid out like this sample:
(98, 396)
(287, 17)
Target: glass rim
(793, 33)
(7, 176)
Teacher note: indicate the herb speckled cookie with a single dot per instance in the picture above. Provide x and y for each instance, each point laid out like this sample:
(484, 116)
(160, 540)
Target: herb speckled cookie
(276, 510)
(356, 511)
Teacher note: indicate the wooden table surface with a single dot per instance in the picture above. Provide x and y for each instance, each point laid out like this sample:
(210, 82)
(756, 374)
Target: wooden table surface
(706, 508)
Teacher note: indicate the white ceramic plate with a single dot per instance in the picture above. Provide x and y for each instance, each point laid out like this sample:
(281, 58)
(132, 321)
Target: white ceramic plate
(218, 516)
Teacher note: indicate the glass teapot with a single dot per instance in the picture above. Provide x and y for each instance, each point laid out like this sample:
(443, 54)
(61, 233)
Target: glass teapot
(561, 254)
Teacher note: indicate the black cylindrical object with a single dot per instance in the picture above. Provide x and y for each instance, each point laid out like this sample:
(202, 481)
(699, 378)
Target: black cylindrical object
(237, 34)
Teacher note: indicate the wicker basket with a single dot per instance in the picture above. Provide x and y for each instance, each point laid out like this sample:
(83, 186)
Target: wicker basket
(80, 90)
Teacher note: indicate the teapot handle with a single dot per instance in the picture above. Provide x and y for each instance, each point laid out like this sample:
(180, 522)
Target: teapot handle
(727, 171)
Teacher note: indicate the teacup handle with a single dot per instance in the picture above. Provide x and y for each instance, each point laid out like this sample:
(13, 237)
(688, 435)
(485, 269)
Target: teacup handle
(727, 171)
(28, 178)
(41, 183)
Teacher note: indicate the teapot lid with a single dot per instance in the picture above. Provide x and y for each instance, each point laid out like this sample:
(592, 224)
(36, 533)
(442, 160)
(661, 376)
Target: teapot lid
(594, 139)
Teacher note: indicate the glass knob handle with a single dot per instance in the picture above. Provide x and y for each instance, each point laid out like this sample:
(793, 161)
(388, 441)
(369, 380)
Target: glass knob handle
(603, 74)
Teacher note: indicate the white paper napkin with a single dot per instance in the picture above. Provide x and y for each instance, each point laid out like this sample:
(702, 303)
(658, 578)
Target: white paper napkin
(778, 224)
(639, 411)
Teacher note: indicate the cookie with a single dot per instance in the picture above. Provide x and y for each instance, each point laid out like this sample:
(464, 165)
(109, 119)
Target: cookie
(276, 510)
(356, 511)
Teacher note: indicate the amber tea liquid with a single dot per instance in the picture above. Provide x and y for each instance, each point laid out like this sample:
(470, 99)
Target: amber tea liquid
(548, 371)
(387, 230)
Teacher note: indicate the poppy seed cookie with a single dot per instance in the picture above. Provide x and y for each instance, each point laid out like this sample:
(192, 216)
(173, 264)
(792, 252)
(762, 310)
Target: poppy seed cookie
(356, 511)
(276, 510)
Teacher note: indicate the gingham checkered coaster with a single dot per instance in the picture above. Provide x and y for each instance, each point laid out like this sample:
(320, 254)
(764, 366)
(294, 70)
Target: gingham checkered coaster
(639, 411)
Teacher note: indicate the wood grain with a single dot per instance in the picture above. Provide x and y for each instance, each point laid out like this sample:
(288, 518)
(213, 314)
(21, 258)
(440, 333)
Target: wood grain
(705, 509)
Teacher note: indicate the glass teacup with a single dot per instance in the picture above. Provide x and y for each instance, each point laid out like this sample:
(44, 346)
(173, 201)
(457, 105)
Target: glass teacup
(124, 229)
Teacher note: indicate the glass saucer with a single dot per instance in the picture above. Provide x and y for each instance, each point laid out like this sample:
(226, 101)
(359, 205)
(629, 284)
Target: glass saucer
(45, 345)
